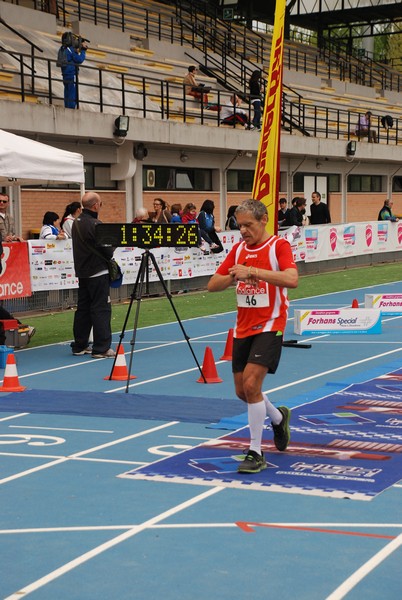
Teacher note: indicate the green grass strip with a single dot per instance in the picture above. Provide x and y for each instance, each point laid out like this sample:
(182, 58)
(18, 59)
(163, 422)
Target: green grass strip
(58, 326)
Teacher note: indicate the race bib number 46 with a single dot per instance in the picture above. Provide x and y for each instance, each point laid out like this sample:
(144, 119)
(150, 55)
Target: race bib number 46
(252, 296)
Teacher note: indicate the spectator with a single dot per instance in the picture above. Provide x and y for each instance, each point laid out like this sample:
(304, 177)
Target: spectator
(282, 212)
(386, 213)
(161, 213)
(74, 56)
(231, 221)
(364, 127)
(296, 213)
(206, 221)
(176, 211)
(51, 227)
(232, 114)
(93, 305)
(189, 215)
(387, 122)
(141, 215)
(319, 210)
(72, 211)
(254, 84)
(194, 89)
(7, 227)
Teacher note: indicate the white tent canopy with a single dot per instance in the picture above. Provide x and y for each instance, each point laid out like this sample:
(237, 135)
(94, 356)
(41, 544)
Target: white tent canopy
(25, 161)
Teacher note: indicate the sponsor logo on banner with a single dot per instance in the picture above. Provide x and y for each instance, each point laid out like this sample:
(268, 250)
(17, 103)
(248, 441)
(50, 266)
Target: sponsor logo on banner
(311, 236)
(349, 235)
(344, 320)
(382, 232)
(333, 238)
(387, 303)
(15, 279)
(399, 234)
(369, 235)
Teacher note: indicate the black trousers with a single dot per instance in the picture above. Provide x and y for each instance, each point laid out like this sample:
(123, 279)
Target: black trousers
(94, 310)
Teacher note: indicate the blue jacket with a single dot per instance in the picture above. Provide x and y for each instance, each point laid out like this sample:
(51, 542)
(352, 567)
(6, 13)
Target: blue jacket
(74, 58)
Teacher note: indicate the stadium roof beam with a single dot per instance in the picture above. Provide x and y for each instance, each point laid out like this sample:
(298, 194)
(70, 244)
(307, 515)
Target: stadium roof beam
(305, 14)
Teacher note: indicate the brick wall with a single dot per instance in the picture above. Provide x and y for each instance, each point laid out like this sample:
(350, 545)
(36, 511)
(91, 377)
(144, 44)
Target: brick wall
(34, 204)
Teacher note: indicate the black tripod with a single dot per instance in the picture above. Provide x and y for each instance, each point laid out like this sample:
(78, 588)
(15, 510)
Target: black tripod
(147, 258)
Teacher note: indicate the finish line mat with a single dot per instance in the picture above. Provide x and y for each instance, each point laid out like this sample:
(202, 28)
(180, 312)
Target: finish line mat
(345, 445)
(120, 405)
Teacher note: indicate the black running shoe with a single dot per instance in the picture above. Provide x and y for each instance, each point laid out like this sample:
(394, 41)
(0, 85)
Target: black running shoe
(253, 463)
(282, 431)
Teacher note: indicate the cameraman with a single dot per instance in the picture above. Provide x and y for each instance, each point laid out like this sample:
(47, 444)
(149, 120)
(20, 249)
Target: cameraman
(75, 53)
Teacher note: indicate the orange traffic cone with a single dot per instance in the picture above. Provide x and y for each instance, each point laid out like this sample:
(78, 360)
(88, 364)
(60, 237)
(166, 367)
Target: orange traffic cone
(209, 368)
(10, 381)
(120, 371)
(355, 303)
(227, 355)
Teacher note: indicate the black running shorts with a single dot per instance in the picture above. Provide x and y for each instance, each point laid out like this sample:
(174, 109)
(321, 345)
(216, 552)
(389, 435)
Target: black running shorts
(261, 349)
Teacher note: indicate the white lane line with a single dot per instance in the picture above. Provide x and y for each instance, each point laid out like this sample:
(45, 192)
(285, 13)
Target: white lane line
(365, 569)
(282, 387)
(85, 363)
(11, 417)
(84, 452)
(124, 439)
(110, 544)
(196, 526)
(341, 368)
(33, 470)
(49, 456)
(62, 429)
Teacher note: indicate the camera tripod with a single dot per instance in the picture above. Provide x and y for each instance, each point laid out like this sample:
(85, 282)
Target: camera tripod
(147, 259)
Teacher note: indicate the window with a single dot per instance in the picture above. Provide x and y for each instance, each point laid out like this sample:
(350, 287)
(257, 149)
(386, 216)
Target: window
(177, 178)
(240, 181)
(397, 184)
(365, 183)
(97, 177)
(298, 183)
(334, 183)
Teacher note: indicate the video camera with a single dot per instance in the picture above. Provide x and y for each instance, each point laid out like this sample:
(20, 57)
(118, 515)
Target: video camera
(76, 41)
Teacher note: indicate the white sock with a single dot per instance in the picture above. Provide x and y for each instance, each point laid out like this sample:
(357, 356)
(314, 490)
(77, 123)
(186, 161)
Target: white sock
(273, 413)
(256, 419)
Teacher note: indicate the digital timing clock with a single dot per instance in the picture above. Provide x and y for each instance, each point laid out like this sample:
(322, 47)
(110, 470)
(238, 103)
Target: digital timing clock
(147, 235)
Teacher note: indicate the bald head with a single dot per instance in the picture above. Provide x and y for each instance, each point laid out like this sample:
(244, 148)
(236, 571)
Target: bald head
(89, 200)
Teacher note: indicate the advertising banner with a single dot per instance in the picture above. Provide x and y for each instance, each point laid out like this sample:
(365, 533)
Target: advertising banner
(51, 264)
(343, 320)
(266, 177)
(387, 303)
(15, 281)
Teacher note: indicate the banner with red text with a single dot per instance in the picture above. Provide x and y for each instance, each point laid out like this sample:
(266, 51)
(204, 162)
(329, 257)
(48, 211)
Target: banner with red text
(266, 177)
(15, 279)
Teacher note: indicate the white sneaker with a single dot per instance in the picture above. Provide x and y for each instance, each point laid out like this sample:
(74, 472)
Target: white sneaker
(108, 354)
(87, 350)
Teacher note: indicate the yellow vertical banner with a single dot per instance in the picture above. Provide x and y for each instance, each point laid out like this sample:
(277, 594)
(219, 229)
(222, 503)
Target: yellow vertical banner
(266, 177)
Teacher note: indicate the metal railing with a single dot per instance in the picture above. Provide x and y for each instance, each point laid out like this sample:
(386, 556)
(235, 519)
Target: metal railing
(106, 91)
(192, 25)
